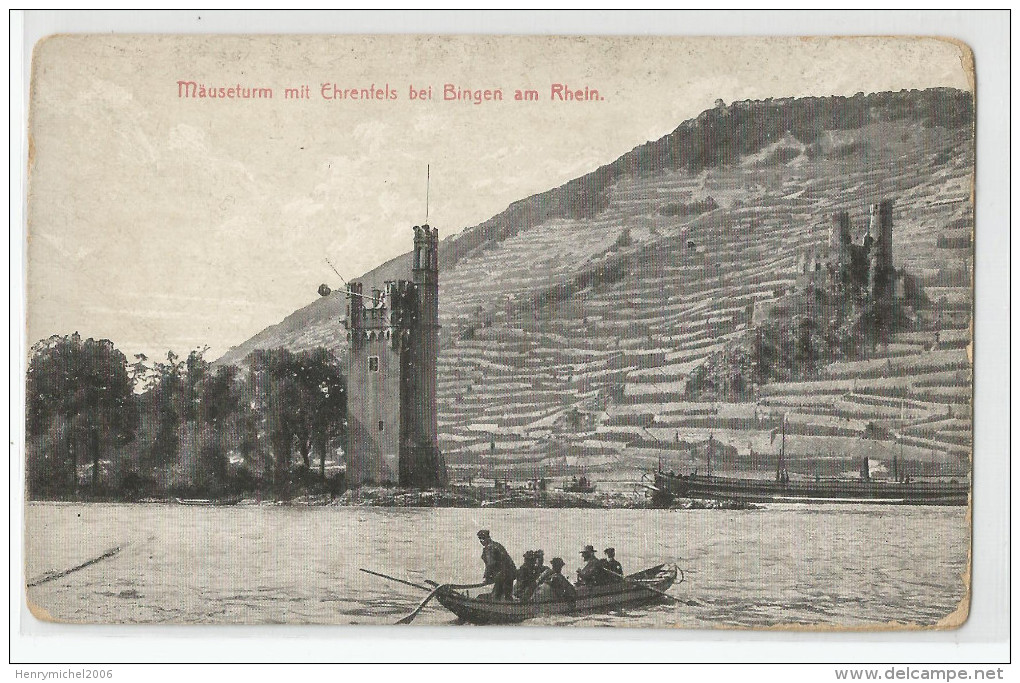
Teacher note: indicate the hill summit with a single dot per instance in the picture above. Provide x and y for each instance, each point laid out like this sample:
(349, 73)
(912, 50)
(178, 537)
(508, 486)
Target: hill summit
(574, 321)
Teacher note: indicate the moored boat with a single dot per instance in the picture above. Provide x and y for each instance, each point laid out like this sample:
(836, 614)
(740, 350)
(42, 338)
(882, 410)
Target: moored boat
(640, 588)
(786, 490)
(208, 501)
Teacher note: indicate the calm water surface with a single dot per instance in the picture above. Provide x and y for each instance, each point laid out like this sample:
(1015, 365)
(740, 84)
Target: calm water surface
(833, 564)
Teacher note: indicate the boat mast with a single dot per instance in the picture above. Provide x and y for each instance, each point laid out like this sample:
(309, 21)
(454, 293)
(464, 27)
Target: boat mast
(895, 463)
(899, 437)
(781, 461)
(708, 458)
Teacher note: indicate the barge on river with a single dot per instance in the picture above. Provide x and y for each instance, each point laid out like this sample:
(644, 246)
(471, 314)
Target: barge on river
(784, 489)
(821, 490)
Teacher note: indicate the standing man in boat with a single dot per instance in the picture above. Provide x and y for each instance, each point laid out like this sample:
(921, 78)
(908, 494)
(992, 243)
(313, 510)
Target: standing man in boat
(500, 569)
(611, 564)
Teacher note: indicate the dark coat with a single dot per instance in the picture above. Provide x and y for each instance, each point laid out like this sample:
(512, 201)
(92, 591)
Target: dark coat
(498, 563)
(527, 578)
(592, 573)
(562, 589)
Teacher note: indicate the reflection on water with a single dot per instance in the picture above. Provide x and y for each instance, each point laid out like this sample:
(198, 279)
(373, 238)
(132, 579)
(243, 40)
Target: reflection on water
(848, 565)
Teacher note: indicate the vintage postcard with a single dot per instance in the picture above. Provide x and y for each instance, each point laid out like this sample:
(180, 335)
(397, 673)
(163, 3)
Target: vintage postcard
(566, 331)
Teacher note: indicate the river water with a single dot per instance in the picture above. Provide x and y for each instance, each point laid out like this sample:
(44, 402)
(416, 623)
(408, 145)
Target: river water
(849, 565)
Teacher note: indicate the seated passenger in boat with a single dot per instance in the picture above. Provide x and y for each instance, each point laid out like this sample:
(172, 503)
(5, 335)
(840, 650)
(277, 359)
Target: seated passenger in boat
(612, 566)
(526, 575)
(529, 574)
(593, 573)
(540, 566)
(552, 585)
(540, 570)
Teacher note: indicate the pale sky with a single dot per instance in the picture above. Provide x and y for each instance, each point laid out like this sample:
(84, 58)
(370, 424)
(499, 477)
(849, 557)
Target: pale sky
(160, 222)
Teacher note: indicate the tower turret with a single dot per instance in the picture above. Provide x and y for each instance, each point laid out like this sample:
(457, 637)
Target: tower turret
(421, 464)
(881, 275)
(840, 239)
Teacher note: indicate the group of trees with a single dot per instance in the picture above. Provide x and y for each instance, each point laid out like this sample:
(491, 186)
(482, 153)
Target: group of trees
(103, 428)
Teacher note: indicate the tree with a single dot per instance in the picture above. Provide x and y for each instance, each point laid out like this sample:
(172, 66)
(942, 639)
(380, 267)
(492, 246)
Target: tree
(323, 392)
(805, 345)
(165, 400)
(274, 394)
(81, 391)
(302, 400)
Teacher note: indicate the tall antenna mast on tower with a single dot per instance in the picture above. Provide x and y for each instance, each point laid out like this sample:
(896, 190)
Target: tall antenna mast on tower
(427, 182)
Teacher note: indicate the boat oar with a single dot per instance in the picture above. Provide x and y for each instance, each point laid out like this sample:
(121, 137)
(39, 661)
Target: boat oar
(393, 578)
(428, 598)
(641, 585)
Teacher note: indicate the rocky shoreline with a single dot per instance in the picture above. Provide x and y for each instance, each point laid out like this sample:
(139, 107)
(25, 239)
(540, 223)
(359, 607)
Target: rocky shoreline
(457, 497)
(471, 497)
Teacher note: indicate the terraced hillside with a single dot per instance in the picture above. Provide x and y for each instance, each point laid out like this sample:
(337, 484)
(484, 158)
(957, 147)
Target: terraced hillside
(572, 321)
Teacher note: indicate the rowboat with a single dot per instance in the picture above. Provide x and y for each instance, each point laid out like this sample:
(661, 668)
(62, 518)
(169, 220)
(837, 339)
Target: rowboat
(643, 587)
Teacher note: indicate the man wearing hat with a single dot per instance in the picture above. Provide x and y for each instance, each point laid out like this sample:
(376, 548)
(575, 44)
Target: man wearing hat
(500, 569)
(553, 585)
(611, 564)
(592, 573)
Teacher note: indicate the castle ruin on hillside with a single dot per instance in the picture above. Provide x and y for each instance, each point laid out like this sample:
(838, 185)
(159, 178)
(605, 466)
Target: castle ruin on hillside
(394, 348)
(847, 267)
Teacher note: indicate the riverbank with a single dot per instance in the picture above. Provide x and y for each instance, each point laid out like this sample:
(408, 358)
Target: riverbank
(480, 497)
(455, 497)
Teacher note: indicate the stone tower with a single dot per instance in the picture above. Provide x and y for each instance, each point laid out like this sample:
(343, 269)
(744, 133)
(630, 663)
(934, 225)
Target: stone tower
(881, 275)
(840, 239)
(421, 464)
(394, 346)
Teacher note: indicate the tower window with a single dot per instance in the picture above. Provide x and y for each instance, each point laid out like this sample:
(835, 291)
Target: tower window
(373, 363)
(380, 425)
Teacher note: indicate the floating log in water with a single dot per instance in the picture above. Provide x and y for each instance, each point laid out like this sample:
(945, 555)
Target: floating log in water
(50, 576)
